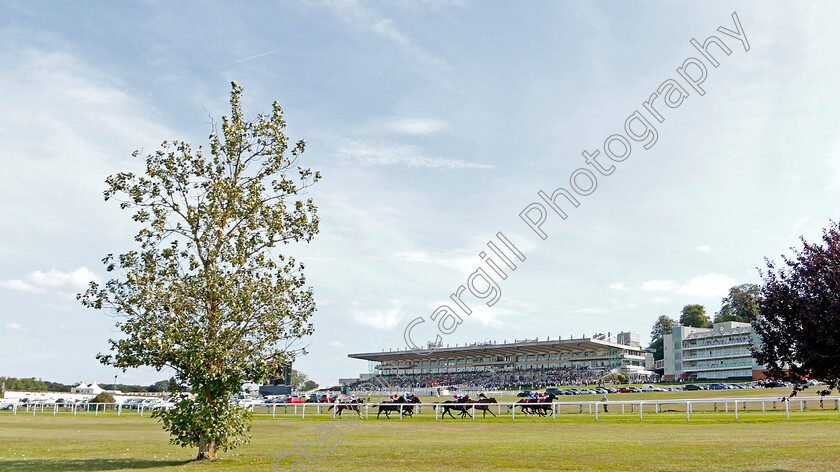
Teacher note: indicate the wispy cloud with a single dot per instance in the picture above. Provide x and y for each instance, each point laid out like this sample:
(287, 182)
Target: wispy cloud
(708, 285)
(660, 285)
(380, 318)
(253, 57)
(455, 260)
(338, 344)
(367, 18)
(15, 327)
(661, 300)
(618, 286)
(704, 248)
(371, 154)
(416, 126)
(52, 281)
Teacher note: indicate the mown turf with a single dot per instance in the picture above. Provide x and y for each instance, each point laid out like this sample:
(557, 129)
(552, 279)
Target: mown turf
(712, 441)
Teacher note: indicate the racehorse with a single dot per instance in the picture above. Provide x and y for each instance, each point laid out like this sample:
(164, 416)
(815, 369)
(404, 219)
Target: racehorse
(350, 405)
(407, 410)
(485, 408)
(538, 407)
(449, 405)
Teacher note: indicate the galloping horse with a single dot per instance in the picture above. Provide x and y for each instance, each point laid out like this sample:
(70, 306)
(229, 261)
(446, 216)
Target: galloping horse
(538, 407)
(394, 406)
(485, 408)
(449, 405)
(350, 405)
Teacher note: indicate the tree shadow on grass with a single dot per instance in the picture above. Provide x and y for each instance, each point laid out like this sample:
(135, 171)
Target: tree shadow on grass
(67, 465)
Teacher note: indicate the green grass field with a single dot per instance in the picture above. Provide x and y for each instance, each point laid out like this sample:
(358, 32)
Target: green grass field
(712, 441)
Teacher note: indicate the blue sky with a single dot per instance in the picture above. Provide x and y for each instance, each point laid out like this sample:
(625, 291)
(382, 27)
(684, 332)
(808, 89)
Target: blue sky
(435, 124)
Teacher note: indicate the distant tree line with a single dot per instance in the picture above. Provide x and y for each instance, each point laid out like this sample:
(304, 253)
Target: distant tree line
(32, 384)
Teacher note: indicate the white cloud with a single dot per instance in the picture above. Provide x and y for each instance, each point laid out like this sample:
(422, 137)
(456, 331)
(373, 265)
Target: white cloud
(708, 285)
(15, 327)
(416, 126)
(618, 286)
(661, 300)
(385, 319)
(660, 285)
(454, 260)
(704, 248)
(335, 344)
(371, 154)
(52, 281)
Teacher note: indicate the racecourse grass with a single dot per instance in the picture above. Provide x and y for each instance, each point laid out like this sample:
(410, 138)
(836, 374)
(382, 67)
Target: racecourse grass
(711, 441)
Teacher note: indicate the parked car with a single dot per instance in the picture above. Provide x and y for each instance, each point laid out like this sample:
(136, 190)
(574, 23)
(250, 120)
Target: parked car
(652, 388)
(629, 390)
(717, 387)
(523, 394)
(554, 390)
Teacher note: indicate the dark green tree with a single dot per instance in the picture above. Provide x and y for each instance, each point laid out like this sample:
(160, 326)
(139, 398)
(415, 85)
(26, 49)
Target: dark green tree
(206, 292)
(663, 325)
(799, 321)
(742, 303)
(695, 315)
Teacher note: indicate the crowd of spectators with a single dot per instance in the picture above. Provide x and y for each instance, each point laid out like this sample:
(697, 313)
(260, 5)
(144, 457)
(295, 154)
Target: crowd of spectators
(494, 380)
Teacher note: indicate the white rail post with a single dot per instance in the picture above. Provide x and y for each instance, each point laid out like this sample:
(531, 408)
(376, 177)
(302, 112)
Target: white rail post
(801, 406)
(688, 411)
(838, 407)
(553, 411)
(762, 406)
(787, 409)
(274, 411)
(55, 408)
(657, 408)
(366, 410)
(401, 409)
(590, 408)
(436, 411)
(596, 414)
(641, 411)
(736, 410)
(622, 408)
(513, 412)
(473, 411)
(303, 409)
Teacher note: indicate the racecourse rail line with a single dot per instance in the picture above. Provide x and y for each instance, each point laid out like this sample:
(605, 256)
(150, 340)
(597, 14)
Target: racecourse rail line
(468, 409)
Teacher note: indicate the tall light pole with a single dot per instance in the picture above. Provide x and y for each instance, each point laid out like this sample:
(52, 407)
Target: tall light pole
(115, 383)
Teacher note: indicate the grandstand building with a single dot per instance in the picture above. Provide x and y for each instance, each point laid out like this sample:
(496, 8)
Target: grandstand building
(605, 353)
(719, 352)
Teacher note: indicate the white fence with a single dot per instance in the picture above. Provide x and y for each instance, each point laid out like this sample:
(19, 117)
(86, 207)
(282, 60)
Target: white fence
(733, 405)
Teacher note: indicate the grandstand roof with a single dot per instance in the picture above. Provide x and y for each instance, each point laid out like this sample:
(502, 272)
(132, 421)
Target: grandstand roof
(491, 349)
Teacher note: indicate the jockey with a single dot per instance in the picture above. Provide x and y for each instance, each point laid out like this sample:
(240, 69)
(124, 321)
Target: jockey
(407, 396)
(482, 395)
(352, 398)
(532, 396)
(394, 397)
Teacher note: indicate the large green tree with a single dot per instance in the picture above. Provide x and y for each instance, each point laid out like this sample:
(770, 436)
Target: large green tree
(742, 303)
(205, 291)
(663, 325)
(695, 315)
(799, 322)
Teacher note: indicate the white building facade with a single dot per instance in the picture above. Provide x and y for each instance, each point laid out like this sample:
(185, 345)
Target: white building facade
(720, 352)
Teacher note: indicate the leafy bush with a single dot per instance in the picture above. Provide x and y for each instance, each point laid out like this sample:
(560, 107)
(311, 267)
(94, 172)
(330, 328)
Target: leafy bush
(103, 397)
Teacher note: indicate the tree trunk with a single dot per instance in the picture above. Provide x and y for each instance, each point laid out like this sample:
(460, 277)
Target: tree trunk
(206, 448)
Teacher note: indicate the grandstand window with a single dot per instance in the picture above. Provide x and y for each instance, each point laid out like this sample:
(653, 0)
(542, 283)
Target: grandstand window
(450, 362)
(460, 362)
(520, 358)
(532, 358)
(432, 362)
(425, 363)
(564, 355)
(576, 354)
(553, 356)
(541, 357)
(469, 360)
